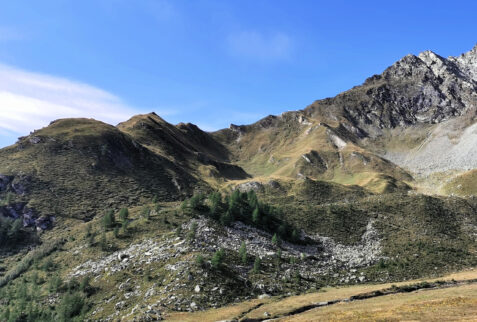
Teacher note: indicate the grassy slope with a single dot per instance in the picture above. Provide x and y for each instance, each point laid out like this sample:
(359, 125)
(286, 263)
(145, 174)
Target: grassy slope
(463, 184)
(417, 233)
(184, 144)
(291, 145)
(81, 166)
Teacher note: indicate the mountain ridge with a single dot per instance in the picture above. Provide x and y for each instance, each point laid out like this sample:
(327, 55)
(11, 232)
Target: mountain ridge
(146, 218)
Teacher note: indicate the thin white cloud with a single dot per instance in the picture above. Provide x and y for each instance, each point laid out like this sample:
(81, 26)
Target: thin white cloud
(256, 45)
(30, 101)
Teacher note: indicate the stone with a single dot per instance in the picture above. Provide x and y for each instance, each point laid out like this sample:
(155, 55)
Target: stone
(120, 305)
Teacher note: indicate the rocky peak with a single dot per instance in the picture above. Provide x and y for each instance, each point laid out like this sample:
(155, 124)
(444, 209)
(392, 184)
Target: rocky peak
(467, 62)
(426, 88)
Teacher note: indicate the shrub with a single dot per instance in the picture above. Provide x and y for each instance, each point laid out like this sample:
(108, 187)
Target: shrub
(185, 204)
(89, 230)
(295, 237)
(116, 232)
(72, 305)
(48, 265)
(27, 260)
(179, 231)
(124, 225)
(85, 286)
(91, 237)
(157, 209)
(103, 242)
(199, 260)
(72, 285)
(146, 212)
(196, 201)
(192, 232)
(55, 284)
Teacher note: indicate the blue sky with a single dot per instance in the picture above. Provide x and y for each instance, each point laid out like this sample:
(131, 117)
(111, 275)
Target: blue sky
(211, 63)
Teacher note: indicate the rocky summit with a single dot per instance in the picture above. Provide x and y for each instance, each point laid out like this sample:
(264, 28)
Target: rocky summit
(148, 220)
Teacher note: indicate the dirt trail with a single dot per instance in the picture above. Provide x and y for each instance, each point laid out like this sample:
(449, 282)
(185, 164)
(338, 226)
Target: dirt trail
(363, 296)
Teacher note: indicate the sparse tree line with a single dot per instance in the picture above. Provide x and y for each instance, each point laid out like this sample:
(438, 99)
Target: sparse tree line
(22, 301)
(10, 230)
(244, 207)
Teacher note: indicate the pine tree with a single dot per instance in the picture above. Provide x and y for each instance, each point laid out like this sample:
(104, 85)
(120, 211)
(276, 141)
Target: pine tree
(103, 242)
(234, 202)
(192, 231)
(256, 216)
(257, 264)
(196, 201)
(295, 236)
(123, 214)
(184, 205)
(108, 219)
(252, 199)
(243, 253)
(15, 228)
(215, 199)
(217, 259)
(226, 219)
(275, 240)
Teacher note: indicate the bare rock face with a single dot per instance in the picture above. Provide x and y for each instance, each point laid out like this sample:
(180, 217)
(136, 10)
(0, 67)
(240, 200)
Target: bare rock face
(467, 63)
(416, 89)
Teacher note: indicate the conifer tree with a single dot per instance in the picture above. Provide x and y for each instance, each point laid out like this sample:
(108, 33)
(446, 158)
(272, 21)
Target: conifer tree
(256, 216)
(123, 214)
(217, 259)
(243, 253)
(275, 240)
(226, 219)
(257, 264)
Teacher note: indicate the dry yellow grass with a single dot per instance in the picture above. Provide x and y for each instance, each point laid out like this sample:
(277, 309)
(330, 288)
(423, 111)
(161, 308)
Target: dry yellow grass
(449, 304)
(459, 301)
(223, 313)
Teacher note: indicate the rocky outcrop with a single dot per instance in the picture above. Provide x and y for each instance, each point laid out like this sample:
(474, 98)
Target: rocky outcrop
(29, 217)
